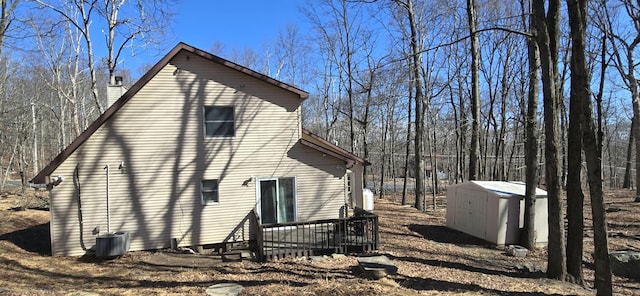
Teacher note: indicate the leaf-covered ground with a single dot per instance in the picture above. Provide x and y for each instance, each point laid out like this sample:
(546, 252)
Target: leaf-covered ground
(431, 260)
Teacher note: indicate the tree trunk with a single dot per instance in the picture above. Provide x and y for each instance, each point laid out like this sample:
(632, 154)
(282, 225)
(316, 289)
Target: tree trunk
(349, 68)
(531, 145)
(629, 158)
(462, 126)
(504, 96)
(547, 25)
(474, 151)
(575, 196)
(434, 167)
(406, 153)
(384, 154)
(416, 53)
(86, 18)
(633, 84)
(580, 82)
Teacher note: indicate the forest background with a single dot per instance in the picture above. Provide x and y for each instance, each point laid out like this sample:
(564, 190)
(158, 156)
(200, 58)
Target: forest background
(354, 59)
(435, 92)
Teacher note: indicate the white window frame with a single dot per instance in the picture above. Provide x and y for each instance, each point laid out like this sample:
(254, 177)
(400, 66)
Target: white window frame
(217, 191)
(204, 122)
(277, 179)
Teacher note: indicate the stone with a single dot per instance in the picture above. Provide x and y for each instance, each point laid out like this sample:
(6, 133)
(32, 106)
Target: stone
(82, 293)
(224, 289)
(527, 267)
(316, 258)
(237, 256)
(337, 256)
(232, 256)
(517, 251)
(376, 267)
(625, 263)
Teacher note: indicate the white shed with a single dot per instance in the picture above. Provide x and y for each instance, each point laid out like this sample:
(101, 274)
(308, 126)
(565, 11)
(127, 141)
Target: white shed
(494, 211)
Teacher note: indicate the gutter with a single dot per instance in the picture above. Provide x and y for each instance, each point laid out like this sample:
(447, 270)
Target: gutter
(48, 184)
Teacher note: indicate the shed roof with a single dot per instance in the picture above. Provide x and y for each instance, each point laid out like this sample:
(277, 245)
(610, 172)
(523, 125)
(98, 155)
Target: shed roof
(42, 176)
(504, 188)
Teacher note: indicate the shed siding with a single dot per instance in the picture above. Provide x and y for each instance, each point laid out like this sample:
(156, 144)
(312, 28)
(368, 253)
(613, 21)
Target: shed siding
(159, 137)
(493, 211)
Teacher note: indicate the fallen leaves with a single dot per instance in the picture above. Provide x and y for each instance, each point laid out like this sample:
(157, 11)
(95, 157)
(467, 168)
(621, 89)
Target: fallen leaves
(431, 260)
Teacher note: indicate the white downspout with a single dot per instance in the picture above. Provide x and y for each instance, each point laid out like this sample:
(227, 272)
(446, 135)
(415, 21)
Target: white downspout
(108, 212)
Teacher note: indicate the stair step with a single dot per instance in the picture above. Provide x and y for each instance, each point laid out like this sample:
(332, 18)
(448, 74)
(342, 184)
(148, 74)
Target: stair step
(237, 256)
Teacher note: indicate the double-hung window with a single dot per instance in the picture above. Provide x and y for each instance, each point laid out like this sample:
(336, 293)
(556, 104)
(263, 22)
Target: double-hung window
(209, 192)
(219, 121)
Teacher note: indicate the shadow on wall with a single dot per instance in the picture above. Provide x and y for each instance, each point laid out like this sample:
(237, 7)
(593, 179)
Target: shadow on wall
(301, 153)
(242, 231)
(33, 239)
(182, 162)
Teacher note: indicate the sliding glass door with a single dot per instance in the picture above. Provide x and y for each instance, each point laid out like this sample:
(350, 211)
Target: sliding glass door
(277, 200)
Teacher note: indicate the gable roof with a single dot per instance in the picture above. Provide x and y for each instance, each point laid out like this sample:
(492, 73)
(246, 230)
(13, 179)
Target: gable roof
(316, 142)
(43, 176)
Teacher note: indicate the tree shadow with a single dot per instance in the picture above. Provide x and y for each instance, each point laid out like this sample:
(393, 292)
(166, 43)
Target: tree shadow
(442, 234)
(426, 284)
(262, 272)
(501, 271)
(163, 154)
(115, 281)
(34, 239)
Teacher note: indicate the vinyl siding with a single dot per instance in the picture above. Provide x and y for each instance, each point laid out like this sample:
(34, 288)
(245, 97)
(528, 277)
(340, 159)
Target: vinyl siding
(159, 136)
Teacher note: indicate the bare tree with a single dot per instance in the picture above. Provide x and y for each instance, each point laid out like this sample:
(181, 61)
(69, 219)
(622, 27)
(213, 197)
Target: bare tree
(581, 94)
(416, 50)
(575, 196)
(7, 18)
(628, 163)
(143, 20)
(133, 25)
(407, 147)
(624, 41)
(474, 151)
(547, 27)
(531, 139)
(80, 14)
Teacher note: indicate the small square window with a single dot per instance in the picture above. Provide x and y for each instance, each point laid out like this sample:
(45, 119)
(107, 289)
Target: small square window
(209, 192)
(219, 121)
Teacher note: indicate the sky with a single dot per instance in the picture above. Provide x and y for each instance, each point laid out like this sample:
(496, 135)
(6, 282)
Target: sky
(236, 24)
(243, 23)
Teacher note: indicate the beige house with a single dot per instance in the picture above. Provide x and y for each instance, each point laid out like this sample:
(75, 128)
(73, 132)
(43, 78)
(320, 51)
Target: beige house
(187, 153)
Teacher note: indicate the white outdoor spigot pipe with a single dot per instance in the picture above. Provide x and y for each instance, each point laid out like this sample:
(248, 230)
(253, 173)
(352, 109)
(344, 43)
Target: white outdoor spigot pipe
(108, 212)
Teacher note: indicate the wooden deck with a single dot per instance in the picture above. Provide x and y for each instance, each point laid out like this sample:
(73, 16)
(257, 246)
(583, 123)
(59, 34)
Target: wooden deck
(356, 234)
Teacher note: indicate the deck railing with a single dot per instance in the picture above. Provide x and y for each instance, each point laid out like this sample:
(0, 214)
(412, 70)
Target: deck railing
(295, 239)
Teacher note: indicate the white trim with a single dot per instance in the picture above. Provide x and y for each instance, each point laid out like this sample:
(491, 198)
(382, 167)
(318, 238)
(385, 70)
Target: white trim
(348, 189)
(204, 121)
(295, 195)
(207, 203)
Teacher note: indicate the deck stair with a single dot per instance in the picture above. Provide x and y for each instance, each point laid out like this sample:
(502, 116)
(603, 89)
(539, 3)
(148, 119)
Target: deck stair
(238, 255)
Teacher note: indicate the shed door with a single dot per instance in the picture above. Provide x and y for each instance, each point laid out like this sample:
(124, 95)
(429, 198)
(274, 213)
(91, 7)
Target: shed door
(470, 212)
(477, 215)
